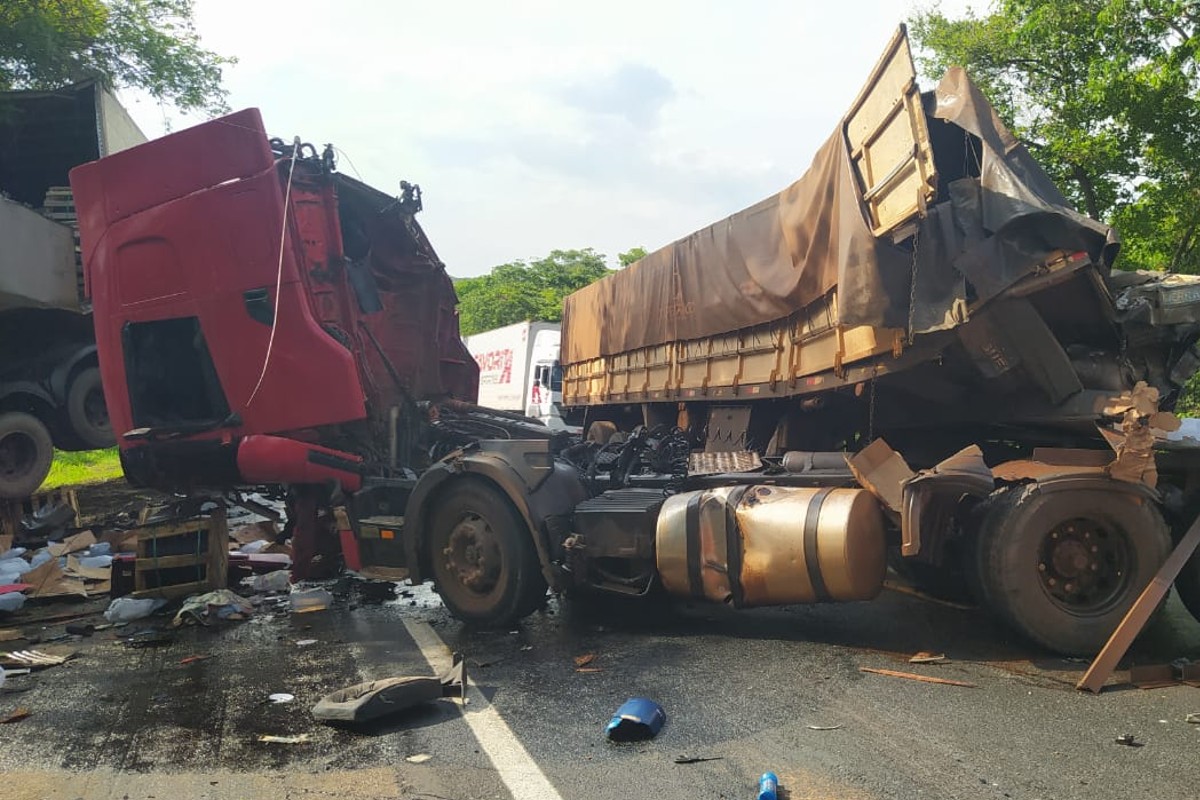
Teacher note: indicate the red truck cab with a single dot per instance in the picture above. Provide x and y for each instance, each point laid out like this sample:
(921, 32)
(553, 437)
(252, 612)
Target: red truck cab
(260, 316)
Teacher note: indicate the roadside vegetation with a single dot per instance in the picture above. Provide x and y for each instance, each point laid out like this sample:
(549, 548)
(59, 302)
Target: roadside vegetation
(88, 466)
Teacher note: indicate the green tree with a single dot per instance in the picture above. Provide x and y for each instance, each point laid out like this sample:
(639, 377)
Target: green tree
(148, 44)
(1106, 94)
(631, 255)
(521, 290)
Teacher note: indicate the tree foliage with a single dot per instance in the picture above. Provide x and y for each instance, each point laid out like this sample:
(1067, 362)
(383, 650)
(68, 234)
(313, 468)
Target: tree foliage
(521, 290)
(148, 44)
(631, 255)
(1106, 94)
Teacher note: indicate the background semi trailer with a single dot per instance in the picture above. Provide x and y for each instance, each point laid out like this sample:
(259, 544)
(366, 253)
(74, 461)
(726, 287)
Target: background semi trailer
(519, 370)
(334, 368)
(50, 390)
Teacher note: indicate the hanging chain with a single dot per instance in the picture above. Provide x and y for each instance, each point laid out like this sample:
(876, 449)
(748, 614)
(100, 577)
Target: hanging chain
(912, 288)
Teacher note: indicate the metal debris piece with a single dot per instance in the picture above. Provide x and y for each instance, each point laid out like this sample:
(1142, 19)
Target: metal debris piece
(1192, 718)
(300, 738)
(419, 758)
(1129, 740)
(914, 677)
(281, 697)
(16, 716)
(928, 658)
(823, 727)
(682, 759)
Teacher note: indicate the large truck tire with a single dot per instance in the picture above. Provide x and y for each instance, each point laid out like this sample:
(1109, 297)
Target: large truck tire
(26, 452)
(1064, 566)
(485, 565)
(87, 413)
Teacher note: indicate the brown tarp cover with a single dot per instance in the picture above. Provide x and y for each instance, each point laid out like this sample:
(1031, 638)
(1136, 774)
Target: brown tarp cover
(774, 258)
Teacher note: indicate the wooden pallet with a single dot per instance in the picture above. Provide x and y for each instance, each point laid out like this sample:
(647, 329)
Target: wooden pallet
(13, 511)
(182, 557)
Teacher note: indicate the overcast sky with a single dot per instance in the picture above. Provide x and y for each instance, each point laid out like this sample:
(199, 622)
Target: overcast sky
(533, 126)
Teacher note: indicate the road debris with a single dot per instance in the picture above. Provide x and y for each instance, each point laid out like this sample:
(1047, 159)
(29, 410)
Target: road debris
(183, 662)
(36, 658)
(222, 604)
(682, 759)
(149, 637)
(1193, 718)
(300, 738)
(364, 702)
(912, 676)
(824, 727)
(307, 601)
(1153, 676)
(1129, 740)
(130, 609)
(419, 758)
(928, 658)
(305, 642)
(11, 635)
(80, 629)
(279, 698)
(639, 718)
(768, 786)
(16, 716)
(589, 669)
(583, 661)
(279, 580)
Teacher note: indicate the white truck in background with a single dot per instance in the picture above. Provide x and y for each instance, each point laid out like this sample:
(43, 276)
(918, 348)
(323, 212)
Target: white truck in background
(519, 370)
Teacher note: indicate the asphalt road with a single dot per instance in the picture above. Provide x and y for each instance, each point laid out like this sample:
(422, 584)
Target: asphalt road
(742, 688)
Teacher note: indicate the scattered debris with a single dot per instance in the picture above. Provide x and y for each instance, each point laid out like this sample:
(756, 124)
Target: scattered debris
(11, 635)
(183, 662)
(1192, 718)
(928, 658)
(639, 718)
(367, 701)
(36, 658)
(1129, 740)
(526, 648)
(81, 629)
(768, 786)
(310, 600)
(300, 738)
(130, 609)
(150, 637)
(681, 759)
(222, 604)
(305, 642)
(583, 661)
(279, 580)
(281, 697)
(588, 669)
(419, 758)
(1153, 676)
(824, 727)
(16, 716)
(912, 676)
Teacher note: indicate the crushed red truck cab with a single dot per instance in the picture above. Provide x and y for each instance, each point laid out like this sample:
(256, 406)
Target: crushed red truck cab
(254, 299)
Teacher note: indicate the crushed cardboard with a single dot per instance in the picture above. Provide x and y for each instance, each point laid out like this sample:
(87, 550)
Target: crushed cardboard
(48, 580)
(72, 544)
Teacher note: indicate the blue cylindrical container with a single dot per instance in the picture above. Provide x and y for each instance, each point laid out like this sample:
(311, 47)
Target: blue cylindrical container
(768, 786)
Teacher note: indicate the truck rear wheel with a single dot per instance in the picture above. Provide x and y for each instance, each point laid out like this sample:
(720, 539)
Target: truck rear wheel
(485, 566)
(87, 412)
(1063, 567)
(26, 453)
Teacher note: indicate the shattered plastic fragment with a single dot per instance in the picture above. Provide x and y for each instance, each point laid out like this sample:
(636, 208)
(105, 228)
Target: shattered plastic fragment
(281, 697)
(639, 718)
(300, 738)
(419, 758)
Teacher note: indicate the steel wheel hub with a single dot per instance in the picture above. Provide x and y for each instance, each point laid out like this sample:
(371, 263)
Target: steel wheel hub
(473, 554)
(1084, 566)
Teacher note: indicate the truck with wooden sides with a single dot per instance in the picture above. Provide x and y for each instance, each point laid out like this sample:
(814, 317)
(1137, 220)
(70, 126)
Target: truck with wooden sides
(50, 388)
(918, 351)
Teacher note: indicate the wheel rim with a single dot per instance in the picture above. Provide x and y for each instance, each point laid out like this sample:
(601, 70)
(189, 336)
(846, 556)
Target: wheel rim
(472, 555)
(1085, 566)
(18, 454)
(95, 411)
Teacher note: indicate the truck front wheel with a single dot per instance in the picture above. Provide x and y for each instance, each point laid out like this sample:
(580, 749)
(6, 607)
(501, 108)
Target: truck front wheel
(26, 453)
(1063, 567)
(87, 412)
(485, 566)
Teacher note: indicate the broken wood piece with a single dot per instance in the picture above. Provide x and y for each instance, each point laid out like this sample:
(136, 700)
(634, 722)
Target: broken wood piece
(1139, 613)
(16, 716)
(10, 634)
(928, 658)
(583, 661)
(912, 676)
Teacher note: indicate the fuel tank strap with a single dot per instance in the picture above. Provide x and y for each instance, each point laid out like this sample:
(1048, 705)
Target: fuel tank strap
(733, 544)
(811, 524)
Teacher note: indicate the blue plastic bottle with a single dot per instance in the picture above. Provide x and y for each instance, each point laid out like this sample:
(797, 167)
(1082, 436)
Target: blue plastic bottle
(768, 786)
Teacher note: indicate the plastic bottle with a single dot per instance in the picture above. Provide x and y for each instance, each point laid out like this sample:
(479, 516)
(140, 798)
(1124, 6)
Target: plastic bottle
(96, 561)
(768, 786)
(128, 609)
(11, 601)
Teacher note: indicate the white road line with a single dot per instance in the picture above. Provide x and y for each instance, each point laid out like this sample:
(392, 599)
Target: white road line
(517, 769)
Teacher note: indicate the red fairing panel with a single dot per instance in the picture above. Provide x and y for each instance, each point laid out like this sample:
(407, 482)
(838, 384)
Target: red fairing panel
(273, 459)
(189, 226)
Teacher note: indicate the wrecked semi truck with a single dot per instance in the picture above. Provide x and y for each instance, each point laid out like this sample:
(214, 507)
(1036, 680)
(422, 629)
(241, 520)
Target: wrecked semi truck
(50, 390)
(263, 319)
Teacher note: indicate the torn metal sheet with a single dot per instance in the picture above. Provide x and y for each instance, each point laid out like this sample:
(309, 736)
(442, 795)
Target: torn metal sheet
(364, 702)
(882, 472)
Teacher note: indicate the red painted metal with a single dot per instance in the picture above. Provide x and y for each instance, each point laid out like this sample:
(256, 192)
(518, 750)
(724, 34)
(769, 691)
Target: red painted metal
(186, 225)
(274, 459)
(350, 550)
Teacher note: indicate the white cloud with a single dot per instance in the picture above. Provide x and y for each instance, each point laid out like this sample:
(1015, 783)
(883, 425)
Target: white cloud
(541, 125)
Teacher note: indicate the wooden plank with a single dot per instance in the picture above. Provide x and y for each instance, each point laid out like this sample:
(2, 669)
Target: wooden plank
(912, 676)
(173, 590)
(152, 564)
(1139, 613)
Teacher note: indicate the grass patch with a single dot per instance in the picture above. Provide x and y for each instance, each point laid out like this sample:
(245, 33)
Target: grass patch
(88, 466)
